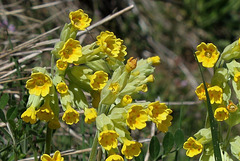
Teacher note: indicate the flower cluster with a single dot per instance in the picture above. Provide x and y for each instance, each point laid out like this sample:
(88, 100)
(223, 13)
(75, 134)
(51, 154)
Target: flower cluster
(97, 69)
(222, 92)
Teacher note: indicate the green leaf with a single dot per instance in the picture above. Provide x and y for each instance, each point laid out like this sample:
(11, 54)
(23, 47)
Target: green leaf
(12, 113)
(2, 116)
(154, 148)
(168, 142)
(4, 100)
(179, 138)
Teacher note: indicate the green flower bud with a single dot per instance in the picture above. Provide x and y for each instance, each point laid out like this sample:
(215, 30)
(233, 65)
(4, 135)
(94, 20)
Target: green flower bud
(232, 51)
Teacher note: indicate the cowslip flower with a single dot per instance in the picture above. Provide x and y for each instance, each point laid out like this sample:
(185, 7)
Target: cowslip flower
(115, 157)
(79, 19)
(136, 117)
(131, 149)
(110, 45)
(155, 60)
(56, 157)
(61, 65)
(54, 123)
(232, 107)
(163, 125)
(71, 51)
(193, 147)
(98, 80)
(45, 112)
(207, 54)
(62, 88)
(114, 87)
(221, 114)
(70, 116)
(108, 139)
(131, 64)
(200, 91)
(90, 115)
(29, 115)
(236, 77)
(215, 94)
(150, 78)
(39, 84)
(126, 100)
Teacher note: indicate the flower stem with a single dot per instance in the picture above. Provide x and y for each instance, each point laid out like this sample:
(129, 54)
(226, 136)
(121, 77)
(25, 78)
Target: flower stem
(93, 153)
(48, 141)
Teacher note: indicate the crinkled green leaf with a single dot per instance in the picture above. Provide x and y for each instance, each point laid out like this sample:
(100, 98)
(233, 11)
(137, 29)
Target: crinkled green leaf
(12, 113)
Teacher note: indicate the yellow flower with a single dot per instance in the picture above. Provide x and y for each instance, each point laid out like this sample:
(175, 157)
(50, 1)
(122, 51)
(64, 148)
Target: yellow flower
(237, 77)
(70, 116)
(79, 19)
(71, 51)
(39, 84)
(54, 123)
(114, 157)
(150, 78)
(98, 80)
(62, 88)
(215, 94)
(155, 60)
(108, 139)
(232, 107)
(56, 157)
(131, 149)
(200, 91)
(45, 112)
(61, 65)
(29, 115)
(90, 115)
(207, 54)
(110, 45)
(126, 100)
(136, 117)
(193, 147)
(131, 64)
(114, 87)
(221, 113)
(163, 125)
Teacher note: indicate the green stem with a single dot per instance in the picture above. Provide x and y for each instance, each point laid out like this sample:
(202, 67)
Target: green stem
(93, 153)
(48, 141)
(227, 138)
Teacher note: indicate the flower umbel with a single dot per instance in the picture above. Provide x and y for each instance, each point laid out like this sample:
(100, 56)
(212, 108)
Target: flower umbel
(193, 147)
(221, 113)
(136, 117)
(39, 84)
(207, 54)
(29, 115)
(108, 139)
(56, 157)
(79, 19)
(131, 149)
(71, 51)
(70, 116)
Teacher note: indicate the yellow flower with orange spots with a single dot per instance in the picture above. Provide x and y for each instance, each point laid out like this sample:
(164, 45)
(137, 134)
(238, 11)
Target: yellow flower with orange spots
(90, 115)
(61, 65)
(136, 117)
(193, 147)
(70, 116)
(215, 94)
(98, 80)
(39, 84)
(62, 88)
(56, 157)
(126, 100)
(115, 157)
(221, 113)
(131, 149)
(108, 139)
(79, 19)
(29, 115)
(207, 54)
(200, 91)
(71, 51)
(45, 112)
